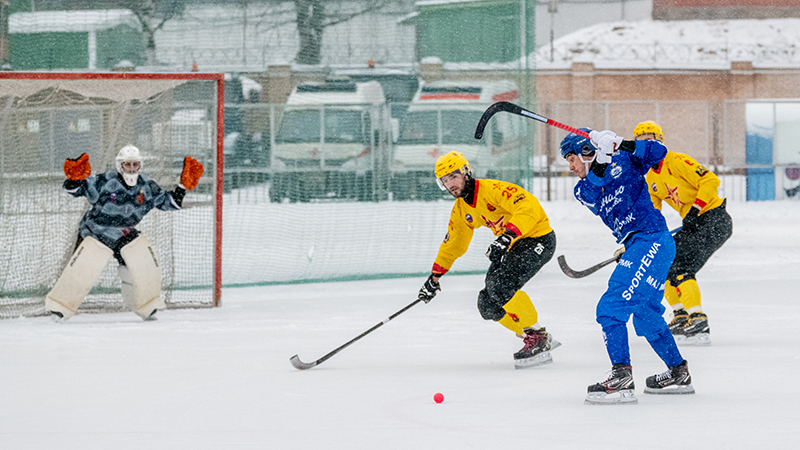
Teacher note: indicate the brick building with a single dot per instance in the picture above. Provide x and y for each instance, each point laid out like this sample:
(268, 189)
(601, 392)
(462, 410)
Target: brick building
(724, 9)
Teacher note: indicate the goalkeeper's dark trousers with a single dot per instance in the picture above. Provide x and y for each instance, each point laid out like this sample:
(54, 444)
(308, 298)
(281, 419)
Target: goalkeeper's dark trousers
(693, 249)
(522, 261)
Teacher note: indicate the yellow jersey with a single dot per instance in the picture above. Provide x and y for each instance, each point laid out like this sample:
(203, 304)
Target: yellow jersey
(682, 182)
(497, 205)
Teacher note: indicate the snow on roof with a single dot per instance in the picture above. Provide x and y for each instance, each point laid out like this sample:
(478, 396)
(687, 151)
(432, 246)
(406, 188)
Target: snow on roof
(680, 43)
(70, 21)
(248, 84)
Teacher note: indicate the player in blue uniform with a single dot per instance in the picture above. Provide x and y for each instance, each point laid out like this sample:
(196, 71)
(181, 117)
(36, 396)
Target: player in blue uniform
(119, 200)
(612, 185)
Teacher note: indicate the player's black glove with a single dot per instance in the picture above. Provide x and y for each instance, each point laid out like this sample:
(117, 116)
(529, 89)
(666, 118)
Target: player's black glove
(428, 290)
(498, 248)
(691, 220)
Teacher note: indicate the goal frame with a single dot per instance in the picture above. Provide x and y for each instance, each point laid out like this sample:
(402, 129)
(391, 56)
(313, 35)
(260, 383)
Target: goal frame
(219, 79)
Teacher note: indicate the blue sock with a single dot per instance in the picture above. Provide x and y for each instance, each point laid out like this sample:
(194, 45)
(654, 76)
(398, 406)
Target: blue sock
(666, 349)
(616, 339)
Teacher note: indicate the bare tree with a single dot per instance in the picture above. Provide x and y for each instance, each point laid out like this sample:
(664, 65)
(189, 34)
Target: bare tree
(313, 16)
(152, 15)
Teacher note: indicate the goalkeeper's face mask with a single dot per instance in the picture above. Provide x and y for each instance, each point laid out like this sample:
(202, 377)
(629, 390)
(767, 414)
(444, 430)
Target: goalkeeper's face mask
(130, 171)
(129, 163)
(131, 167)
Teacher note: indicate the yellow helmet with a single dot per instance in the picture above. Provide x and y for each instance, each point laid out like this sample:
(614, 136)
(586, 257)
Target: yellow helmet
(449, 163)
(649, 127)
(452, 162)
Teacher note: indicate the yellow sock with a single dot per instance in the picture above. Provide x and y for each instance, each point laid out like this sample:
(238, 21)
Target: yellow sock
(673, 296)
(690, 296)
(520, 313)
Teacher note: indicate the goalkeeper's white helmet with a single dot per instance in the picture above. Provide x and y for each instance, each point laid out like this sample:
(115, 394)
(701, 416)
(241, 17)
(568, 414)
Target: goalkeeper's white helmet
(126, 154)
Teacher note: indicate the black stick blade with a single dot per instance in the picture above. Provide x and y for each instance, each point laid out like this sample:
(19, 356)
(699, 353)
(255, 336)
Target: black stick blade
(492, 110)
(300, 365)
(568, 271)
(562, 263)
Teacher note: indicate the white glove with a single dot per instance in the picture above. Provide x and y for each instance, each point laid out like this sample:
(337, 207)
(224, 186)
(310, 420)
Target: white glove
(607, 142)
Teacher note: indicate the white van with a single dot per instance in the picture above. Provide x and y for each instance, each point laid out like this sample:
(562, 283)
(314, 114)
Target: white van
(327, 134)
(442, 118)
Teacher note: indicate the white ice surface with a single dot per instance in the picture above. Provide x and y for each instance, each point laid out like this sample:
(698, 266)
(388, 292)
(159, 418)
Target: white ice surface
(221, 378)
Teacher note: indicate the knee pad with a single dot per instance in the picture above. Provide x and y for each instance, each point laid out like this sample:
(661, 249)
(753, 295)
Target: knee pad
(78, 277)
(519, 313)
(488, 308)
(141, 278)
(689, 294)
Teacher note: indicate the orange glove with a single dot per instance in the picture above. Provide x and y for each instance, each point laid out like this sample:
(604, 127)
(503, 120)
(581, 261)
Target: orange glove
(78, 169)
(192, 171)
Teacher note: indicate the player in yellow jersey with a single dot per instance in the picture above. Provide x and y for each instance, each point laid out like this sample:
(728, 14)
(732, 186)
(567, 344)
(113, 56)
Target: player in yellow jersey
(525, 242)
(691, 190)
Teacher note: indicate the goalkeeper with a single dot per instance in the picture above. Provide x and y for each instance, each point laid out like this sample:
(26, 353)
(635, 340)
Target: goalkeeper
(119, 200)
(525, 242)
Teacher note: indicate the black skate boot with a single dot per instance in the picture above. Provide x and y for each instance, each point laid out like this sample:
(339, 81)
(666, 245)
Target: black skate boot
(696, 330)
(536, 350)
(679, 320)
(618, 389)
(676, 380)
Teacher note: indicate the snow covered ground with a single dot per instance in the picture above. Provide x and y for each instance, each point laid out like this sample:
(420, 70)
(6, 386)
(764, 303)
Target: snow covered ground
(221, 378)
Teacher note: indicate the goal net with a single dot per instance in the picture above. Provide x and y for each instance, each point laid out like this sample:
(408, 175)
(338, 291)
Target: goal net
(48, 117)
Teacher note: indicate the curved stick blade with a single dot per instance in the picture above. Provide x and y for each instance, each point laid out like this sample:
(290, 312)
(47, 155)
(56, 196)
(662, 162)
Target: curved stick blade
(562, 263)
(491, 111)
(300, 365)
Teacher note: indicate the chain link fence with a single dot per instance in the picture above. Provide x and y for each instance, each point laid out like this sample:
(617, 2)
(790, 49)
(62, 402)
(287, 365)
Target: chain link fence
(366, 154)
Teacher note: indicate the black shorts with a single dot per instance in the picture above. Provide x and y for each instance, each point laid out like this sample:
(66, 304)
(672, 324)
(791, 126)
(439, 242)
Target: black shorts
(519, 265)
(116, 247)
(693, 250)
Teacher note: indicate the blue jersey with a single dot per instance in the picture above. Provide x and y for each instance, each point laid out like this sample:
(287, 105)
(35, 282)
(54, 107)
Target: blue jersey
(116, 207)
(620, 197)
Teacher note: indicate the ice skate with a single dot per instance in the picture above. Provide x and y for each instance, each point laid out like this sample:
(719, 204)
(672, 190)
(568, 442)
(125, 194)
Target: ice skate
(618, 389)
(676, 326)
(676, 380)
(696, 331)
(536, 350)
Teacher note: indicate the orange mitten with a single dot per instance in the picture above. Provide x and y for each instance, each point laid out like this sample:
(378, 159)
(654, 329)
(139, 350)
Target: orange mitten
(78, 169)
(192, 171)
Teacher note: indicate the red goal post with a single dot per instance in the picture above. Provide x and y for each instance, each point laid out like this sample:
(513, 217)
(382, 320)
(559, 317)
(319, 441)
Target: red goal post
(46, 117)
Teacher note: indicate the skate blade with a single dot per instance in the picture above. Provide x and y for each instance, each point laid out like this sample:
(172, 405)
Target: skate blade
(538, 360)
(671, 390)
(697, 340)
(554, 344)
(624, 397)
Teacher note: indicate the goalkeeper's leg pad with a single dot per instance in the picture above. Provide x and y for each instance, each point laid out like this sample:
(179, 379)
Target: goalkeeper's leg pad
(141, 278)
(78, 277)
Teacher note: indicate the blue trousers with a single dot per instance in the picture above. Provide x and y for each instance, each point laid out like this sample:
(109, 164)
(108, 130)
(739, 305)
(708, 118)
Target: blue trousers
(636, 289)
